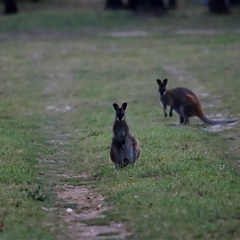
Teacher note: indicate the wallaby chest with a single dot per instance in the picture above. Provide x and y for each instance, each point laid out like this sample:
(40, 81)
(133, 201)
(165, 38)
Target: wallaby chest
(167, 99)
(125, 151)
(120, 128)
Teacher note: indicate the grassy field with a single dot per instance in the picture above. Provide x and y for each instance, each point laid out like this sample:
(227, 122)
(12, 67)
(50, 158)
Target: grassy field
(61, 70)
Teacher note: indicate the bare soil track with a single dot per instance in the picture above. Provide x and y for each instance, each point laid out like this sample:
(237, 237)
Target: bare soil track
(78, 203)
(89, 205)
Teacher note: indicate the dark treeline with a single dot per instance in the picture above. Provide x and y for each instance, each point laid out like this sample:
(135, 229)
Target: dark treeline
(221, 6)
(161, 6)
(10, 6)
(152, 6)
(156, 7)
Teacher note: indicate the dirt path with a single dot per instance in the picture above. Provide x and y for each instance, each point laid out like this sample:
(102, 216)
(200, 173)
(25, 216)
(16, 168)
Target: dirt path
(177, 32)
(90, 205)
(78, 203)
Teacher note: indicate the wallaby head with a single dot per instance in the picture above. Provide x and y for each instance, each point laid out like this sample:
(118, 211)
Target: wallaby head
(120, 111)
(162, 86)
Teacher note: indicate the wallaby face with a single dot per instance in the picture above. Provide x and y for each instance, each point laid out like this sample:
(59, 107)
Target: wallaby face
(162, 86)
(125, 147)
(185, 103)
(120, 111)
(165, 98)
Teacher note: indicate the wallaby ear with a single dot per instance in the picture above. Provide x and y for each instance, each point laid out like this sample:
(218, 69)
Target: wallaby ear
(165, 82)
(159, 82)
(115, 106)
(124, 106)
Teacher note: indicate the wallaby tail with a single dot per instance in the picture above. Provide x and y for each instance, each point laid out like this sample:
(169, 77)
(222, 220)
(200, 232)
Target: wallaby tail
(214, 122)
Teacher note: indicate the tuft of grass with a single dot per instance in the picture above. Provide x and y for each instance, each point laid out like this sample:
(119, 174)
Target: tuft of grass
(36, 193)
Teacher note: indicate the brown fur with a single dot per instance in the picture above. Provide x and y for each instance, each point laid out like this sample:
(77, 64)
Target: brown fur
(125, 148)
(185, 103)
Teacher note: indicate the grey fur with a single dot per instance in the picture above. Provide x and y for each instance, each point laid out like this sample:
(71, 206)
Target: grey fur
(124, 147)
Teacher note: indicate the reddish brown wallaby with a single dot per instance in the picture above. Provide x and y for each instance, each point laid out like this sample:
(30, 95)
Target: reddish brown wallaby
(125, 148)
(185, 103)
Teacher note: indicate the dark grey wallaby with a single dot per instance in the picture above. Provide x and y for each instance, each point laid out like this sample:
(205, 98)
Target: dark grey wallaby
(185, 103)
(125, 148)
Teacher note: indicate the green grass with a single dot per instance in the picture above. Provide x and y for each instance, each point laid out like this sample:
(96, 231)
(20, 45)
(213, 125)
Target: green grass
(20, 147)
(185, 184)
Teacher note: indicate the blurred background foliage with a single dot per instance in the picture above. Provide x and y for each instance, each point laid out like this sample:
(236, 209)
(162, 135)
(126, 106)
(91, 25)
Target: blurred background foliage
(151, 7)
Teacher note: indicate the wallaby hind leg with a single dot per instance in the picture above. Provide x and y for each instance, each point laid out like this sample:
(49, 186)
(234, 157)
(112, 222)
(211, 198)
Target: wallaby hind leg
(186, 113)
(186, 121)
(116, 166)
(181, 119)
(126, 161)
